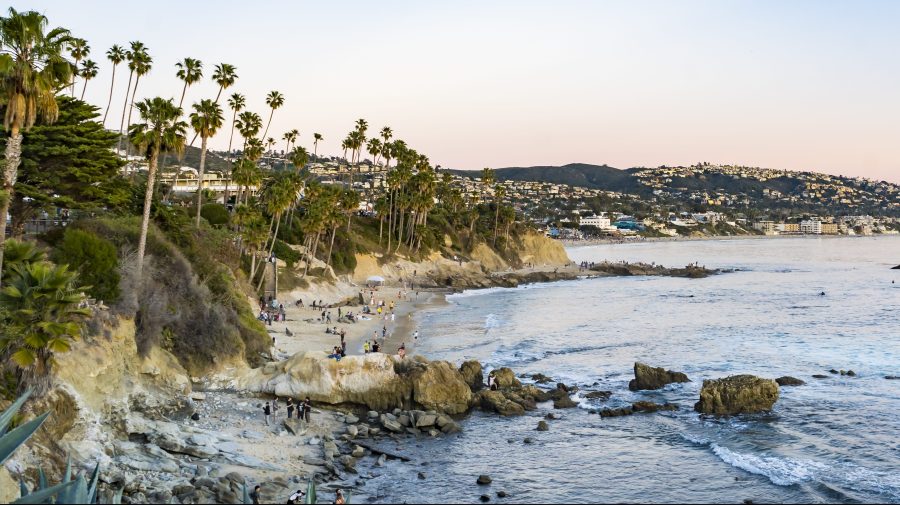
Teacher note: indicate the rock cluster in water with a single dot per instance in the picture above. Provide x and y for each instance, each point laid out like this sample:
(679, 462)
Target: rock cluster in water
(647, 377)
(738, 394)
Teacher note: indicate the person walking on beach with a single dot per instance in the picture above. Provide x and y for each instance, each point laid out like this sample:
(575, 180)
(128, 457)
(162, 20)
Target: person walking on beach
(416, 335)
(366, 347)
(339, 497)
(254, 495)
(290, 408)
(267, 411)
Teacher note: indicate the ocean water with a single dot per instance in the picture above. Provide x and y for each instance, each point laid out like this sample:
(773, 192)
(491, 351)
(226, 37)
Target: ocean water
(832, 440)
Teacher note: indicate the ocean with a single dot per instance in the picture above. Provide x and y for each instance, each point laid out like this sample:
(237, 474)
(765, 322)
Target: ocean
(831, 440)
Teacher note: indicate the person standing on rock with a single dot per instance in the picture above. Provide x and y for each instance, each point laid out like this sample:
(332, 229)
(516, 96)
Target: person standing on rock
(267, 411)
(339, 497)
(290, 408)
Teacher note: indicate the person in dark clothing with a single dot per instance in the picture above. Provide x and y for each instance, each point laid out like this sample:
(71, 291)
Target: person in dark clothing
(307, 408)
(267, 411)
(290, 408)
(254, 495)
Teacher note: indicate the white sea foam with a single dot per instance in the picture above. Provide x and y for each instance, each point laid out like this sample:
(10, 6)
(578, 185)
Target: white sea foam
(781, 471)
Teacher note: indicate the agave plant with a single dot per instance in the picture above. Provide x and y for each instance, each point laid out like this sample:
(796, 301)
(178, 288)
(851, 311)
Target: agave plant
(69, 491)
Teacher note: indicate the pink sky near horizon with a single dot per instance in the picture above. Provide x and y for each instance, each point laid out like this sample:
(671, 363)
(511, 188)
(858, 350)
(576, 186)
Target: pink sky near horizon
(804, 85)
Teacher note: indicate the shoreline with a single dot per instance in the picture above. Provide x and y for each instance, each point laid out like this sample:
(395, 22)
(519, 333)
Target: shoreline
(568, 243)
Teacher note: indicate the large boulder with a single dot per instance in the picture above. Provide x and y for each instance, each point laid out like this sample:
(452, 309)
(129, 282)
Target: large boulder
(440, 386)
(738, 394)
(496, 401)
(647, 377)
(378, 381)
(505, 378)
(789, 381)
(473, 374)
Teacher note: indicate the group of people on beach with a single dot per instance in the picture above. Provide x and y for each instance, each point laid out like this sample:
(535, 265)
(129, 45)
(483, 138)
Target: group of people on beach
(303, 409)
(271, 311)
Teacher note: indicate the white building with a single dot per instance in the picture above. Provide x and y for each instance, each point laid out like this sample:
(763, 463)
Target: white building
(595, 221)
(812, 227)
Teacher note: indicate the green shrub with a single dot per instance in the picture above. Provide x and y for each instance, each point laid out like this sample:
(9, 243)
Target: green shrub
(285, 253)
(215, 213)
(95, 258)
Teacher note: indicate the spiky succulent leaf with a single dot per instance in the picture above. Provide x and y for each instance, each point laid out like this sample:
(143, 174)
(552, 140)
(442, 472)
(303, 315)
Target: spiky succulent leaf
(15, 438)
(7, 416)
(43, 495)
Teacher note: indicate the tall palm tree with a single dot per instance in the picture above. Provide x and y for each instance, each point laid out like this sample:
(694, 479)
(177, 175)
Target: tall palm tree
(88, 71)
(499, 194)
(132, 55)
(236, 102)
(274, 100)
(299, 157)
(190, 71)
(277, 195)
(374, 148)
(205, 120)
(79, 49)
(32, 69)
(224, 75)
(161, 130)
(143, 63)
(487, 178)
(316, 138)
(288, 138)
(115, 55)
(386, 135)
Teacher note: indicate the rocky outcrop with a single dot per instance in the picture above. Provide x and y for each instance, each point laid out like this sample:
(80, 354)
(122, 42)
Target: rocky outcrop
(505, 378)
(650, 407)
(377, 381)
(496, 401)
(896, 267)
(738, 394)
(789, 381)
(472, 374)
(647, 377)
(629, 269)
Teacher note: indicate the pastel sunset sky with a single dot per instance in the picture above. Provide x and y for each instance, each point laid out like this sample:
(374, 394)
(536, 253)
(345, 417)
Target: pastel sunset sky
(801, 84)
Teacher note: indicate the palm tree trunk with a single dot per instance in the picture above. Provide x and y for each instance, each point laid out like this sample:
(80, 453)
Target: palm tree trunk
(331, 247)
(124, 109)
(380, 228)
(10, 174)
(277, 220)
(84, 89)
(145, 221)
(200, 178)
(112, 86)
(272, 113)
(252, 263)
(183, 91)
(496, 222)
(136, 82)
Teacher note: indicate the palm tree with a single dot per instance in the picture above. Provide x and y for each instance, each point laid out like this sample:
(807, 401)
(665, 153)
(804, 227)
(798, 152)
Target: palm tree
(245, 174)
(42, 314)
(270, 143)
(189, 71)
(386, 135)
(33, 68)
(288, 138)
(88, 71)
(499, 194)
(161, 130)
(274, 100)
(79, 49)
(316, 138)
(299, 157)
(277, 195)
(487, 178)
(236, 102)
(224, 75)
(143, 63)
(205, 120)
(374, 148)
(115, 55)
(132, 55)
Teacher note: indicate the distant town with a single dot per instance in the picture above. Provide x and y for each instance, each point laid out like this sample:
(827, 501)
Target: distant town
(694, 201)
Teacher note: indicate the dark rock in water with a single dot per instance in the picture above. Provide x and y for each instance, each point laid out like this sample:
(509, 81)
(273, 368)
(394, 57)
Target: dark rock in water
(616, 412)
(896, 267)
(560, 385)
(833, 371)
(598, 395)
(495, 401)
(528, 440)
(652, 407)
(501, 494)
(892, 377)
(195, 417)
(472, 374)
(843, 372)
(738, 394)
(541, 378)
(789, 381)
(543, 426)
(564, 403)
(820, 376)
(851, 373)
(647, 377)
(552, 416)
(421, 476)
(485, 498)
(484, 480)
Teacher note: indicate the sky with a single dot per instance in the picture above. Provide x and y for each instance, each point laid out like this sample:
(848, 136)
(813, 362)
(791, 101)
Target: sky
(799, 85)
